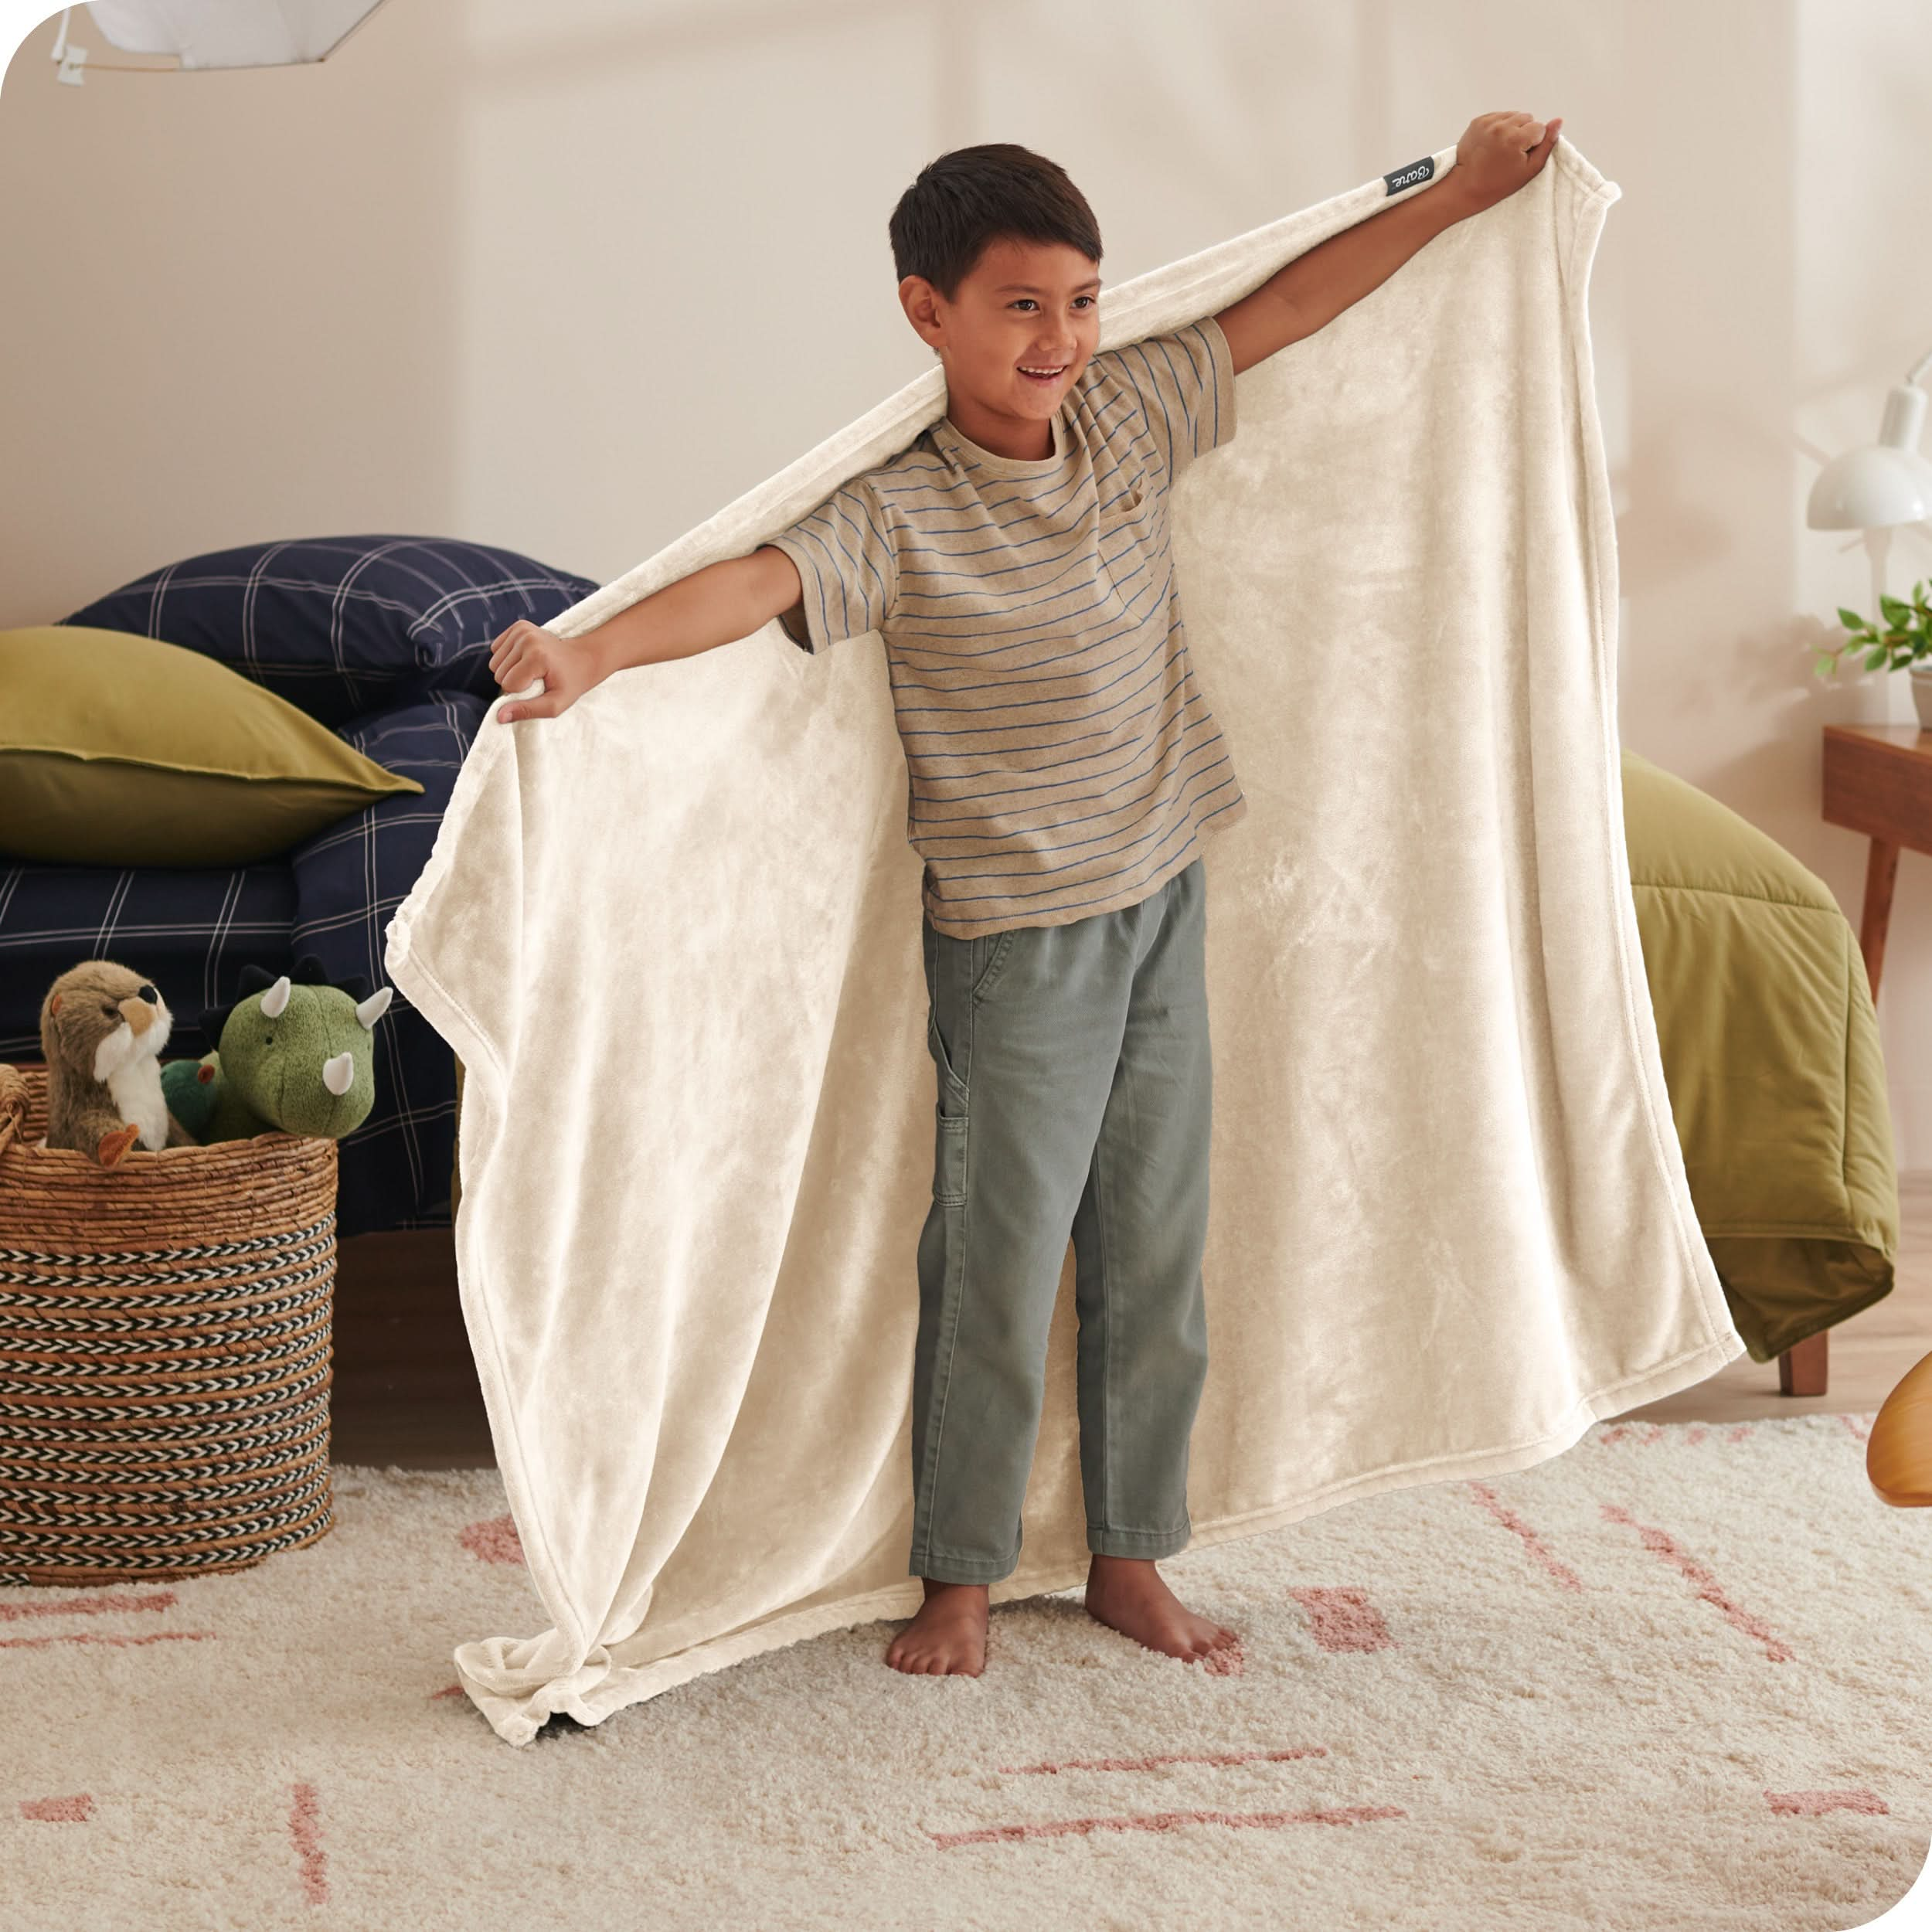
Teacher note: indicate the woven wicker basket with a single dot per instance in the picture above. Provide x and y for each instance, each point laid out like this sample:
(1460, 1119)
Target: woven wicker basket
(165, 1351)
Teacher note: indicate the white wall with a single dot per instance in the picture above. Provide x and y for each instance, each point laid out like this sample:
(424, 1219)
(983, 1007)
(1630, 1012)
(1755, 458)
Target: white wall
(1859, 176)
(570, 279)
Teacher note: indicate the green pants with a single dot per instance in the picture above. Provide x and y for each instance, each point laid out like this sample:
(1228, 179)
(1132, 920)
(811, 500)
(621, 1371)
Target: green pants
(1074, 1097)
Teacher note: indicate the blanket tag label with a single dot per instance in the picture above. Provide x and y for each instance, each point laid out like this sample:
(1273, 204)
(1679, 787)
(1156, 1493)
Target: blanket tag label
(1417, 171)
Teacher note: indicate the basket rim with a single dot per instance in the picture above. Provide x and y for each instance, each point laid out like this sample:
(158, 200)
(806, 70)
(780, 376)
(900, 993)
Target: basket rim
(33, 1076)
(273, 1147)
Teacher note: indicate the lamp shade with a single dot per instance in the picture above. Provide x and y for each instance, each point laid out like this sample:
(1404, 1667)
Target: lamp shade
(230, 33)
(1884, 483)
(1869, 489)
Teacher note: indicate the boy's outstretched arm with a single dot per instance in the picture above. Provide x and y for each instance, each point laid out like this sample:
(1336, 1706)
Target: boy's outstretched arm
(714, 605)
(1496, 154)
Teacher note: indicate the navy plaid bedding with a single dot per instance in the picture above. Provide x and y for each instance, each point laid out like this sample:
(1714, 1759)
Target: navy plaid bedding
(192, 931)
(343, 625)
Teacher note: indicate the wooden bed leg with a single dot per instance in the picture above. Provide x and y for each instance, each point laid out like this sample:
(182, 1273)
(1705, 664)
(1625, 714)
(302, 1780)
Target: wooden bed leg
(1804, 1368)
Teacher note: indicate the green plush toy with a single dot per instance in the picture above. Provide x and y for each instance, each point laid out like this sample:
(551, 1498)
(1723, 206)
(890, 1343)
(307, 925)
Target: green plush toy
(298, 1055)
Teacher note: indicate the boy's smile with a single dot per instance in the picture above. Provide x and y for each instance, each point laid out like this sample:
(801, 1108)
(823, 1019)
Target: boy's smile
(1025, 322)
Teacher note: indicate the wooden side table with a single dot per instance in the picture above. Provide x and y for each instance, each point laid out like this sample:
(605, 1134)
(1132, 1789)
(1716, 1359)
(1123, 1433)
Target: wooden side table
(1878, 780)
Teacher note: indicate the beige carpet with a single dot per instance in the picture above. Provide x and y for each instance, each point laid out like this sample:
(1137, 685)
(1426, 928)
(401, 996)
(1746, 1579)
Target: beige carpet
(1679, 1677)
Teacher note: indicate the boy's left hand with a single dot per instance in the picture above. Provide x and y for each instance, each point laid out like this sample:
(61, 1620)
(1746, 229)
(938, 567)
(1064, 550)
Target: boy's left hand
(1498, 152)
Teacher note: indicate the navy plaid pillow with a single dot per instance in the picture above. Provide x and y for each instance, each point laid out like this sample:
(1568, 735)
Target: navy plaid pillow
(341, 625)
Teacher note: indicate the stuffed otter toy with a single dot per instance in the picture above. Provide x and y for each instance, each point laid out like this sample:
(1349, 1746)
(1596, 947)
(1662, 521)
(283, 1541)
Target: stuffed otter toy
(102, 1028)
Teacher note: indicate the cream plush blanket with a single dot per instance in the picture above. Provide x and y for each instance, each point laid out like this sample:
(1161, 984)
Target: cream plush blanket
(674, 935)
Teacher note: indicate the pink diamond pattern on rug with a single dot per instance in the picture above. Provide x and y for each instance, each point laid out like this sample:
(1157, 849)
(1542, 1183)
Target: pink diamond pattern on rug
(1609, 1434)
(101, 1637)
(1167, 1822)
(1168, 1757)
(304, 1827)
(108, 1603)
(1812, 1804)
(1344, 1619)
(1662, 1544)
(495, 1540)
(1612, 1433)
(1560, 1573)
(76, 1810)
(1226, 1660)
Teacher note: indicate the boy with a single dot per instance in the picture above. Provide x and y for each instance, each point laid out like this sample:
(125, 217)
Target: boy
(1064, 771)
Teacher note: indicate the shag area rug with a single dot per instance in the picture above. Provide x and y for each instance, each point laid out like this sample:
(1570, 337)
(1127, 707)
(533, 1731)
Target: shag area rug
(1679, 1677)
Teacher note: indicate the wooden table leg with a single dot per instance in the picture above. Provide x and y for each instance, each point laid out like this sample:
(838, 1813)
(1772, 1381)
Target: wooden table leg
(1881, 872)
(1804, 1368)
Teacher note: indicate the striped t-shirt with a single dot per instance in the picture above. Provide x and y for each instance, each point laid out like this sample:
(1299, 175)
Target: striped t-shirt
(1061, 760)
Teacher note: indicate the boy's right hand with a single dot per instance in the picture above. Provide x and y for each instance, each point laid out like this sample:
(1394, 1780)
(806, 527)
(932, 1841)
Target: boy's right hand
(526, 652)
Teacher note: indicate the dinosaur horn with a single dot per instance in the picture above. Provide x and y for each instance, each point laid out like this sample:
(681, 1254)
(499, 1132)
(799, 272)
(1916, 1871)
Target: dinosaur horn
(276, 998)
(370, 1010)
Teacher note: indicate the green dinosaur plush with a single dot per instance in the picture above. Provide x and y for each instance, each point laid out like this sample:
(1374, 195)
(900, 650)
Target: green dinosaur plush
(296, 1056)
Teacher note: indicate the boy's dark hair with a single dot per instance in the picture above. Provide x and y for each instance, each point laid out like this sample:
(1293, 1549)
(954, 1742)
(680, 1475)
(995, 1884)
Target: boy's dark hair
(975, 195)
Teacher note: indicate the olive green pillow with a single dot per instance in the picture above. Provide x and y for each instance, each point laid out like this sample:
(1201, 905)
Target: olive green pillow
(123, 751)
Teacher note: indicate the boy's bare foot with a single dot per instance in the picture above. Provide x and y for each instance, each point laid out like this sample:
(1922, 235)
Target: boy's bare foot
(947, 1636)
(1128, 1594)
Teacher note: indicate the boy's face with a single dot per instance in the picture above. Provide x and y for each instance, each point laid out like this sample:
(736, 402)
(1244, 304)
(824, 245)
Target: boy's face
(1024, 306)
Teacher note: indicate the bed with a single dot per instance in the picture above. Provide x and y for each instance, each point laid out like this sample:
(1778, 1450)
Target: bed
(1771, 1051)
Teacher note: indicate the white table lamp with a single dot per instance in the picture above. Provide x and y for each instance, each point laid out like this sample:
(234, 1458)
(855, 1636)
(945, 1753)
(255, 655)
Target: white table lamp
(1883, 483)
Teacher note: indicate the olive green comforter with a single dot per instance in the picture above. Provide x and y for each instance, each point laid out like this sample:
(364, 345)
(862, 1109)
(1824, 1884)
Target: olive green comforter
(1770, 1052)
